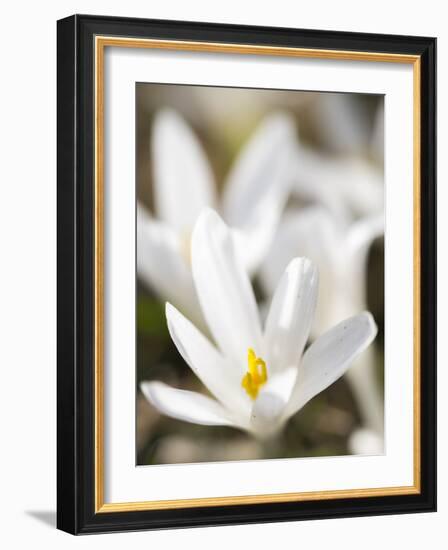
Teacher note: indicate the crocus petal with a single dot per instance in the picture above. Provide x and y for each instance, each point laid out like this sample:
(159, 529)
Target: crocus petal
(309, 232)
(312, 233)
(364, 441)
(257, 187)
(266, 416)
(183, 181)
(362, 187)
(361, 236)
(255, 238)
(185, 405)
(162, 266)
(329, 357)
(345, 186)
(316, 180)
(291, 314)
(217, 374)
(357, 244)
(258, 167)
(267, 411)
(224, 289)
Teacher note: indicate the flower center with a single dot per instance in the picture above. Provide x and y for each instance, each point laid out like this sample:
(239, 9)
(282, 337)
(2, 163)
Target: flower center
(256, 374)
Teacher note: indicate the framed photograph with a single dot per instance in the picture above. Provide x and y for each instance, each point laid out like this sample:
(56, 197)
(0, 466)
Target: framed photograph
(246, 274)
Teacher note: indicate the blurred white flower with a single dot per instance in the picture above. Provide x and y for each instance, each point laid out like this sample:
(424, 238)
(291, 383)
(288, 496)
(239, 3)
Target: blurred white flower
(365, 442)
(258, 378)
(340, 252)
(347, 180)
(252, 201)
(348, 188)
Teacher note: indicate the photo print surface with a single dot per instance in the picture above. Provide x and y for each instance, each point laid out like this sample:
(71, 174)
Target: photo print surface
(260, 274)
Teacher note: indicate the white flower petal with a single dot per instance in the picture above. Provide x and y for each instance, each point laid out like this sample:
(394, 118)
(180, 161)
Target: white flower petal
(282, 250)
(356, 245)
(345, 186)
(256, 237)
(217, 374)
(224, 289)
(267, 411)
(266, 416)
(329, 357)
(281, 384)
(183, 181)
(312, 233)
(161, 265)
(309, 232)
(185, 405)
(360, 237)
(361, 186)
(364, 441)
(252, 172)
(316, 180)
(291, 314)
(257, 187)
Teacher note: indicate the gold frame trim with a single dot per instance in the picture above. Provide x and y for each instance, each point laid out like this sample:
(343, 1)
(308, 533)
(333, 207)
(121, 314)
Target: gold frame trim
(101, 42)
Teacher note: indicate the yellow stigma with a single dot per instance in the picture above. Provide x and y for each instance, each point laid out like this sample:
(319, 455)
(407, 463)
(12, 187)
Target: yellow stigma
(256, 374)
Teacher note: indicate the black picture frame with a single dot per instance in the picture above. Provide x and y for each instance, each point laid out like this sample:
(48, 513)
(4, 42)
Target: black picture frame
(76, 273)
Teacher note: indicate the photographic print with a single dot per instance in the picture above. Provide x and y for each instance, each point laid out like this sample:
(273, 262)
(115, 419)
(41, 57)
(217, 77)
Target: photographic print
(260, 274)
(246, 274)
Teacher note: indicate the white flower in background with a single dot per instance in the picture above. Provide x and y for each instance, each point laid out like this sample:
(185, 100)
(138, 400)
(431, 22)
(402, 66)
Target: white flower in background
(348, 179)
(364, 441)
(340, 252)
(258, 378)
(347, 183)
(251, 203)
(348, 187)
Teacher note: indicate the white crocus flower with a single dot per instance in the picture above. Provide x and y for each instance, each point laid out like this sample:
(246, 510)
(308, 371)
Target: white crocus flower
(349, 184)
(348, 187)
(340, 251)
(258, 377)
(364, 441)
(348, 180)
(252, 201)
